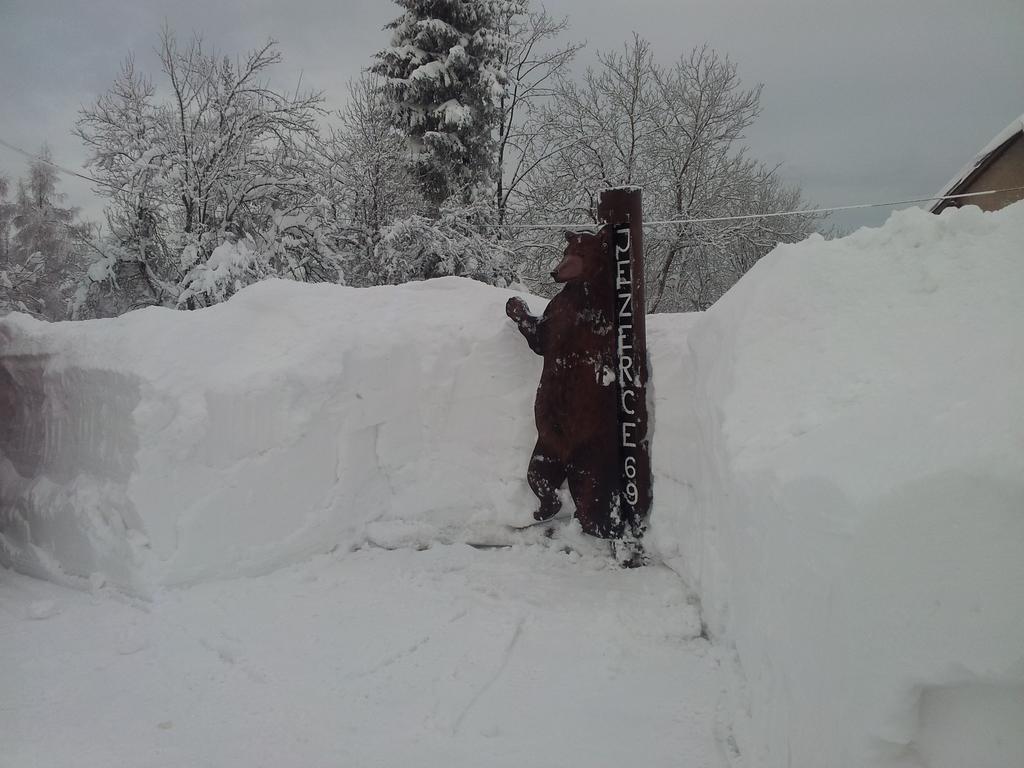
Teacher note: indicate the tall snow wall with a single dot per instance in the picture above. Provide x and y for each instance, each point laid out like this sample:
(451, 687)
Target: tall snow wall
(168, 447)
(851, 508)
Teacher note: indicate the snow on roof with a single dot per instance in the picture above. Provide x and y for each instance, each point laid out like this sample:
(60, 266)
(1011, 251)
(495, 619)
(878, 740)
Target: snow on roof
(980, 159)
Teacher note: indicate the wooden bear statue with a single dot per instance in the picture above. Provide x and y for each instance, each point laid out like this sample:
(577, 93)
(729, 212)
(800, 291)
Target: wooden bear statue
(575, 410)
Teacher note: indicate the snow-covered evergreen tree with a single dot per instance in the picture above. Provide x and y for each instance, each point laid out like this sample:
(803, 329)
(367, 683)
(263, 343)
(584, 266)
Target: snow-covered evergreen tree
(444, 78)
(39, 260)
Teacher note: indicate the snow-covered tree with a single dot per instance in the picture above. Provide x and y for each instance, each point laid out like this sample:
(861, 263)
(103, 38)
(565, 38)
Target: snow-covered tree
(38, 237)
(444, 76)
(533, 61)
(365, 177)
(460, 241)
(6, 221)
(677, 133)
(224, 159)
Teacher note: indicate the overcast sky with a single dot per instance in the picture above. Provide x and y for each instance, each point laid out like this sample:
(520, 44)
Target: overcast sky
(864, 100)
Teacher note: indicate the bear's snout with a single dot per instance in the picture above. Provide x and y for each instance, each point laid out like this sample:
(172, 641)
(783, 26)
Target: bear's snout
(570, 269)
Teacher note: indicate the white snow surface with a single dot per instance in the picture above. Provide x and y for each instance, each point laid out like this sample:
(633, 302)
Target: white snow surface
(269, 502)
(173, 447)
(450, 656)
(850, 484)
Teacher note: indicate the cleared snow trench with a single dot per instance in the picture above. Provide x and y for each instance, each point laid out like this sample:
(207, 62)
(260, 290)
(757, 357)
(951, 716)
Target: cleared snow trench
(449, 656)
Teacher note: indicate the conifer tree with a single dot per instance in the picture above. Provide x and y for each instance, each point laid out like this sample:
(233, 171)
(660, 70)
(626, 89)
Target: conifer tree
(444, 77)
(40, 263)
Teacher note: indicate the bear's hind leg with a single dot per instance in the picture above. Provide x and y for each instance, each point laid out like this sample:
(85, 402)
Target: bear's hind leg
(592, 486)
(546, 475)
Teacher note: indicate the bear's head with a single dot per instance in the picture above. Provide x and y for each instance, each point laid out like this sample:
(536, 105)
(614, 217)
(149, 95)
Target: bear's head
(585, 257)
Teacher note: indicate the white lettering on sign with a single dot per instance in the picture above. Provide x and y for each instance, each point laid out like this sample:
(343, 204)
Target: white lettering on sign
(630, 385)
(628, 434)
(628, 394)
(632, 493)
(625, 338)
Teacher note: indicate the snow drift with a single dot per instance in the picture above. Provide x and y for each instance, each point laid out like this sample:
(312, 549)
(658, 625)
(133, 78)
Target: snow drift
(168, 447)
(852, 493)
(838, 460)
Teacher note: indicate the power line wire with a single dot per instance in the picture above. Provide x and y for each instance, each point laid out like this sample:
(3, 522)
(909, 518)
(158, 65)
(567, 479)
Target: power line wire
(857, 206)
(662, 222)
(774, 214)
(52, 164)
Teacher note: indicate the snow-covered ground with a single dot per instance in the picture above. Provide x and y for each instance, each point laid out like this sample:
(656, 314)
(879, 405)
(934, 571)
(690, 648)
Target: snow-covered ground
(450, 656)
(268, 505)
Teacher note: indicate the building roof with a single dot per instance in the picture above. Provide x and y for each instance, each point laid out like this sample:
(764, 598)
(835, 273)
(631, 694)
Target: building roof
(988, 155)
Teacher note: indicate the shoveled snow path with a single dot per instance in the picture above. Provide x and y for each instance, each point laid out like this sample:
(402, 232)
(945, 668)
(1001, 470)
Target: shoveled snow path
(450, 656)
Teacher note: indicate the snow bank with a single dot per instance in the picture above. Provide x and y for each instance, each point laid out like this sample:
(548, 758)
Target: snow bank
(169, 447)
(851, 507)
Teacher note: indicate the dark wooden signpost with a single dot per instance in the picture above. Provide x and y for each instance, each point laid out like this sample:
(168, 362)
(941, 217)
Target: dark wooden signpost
(622, 210)
(591, 406)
